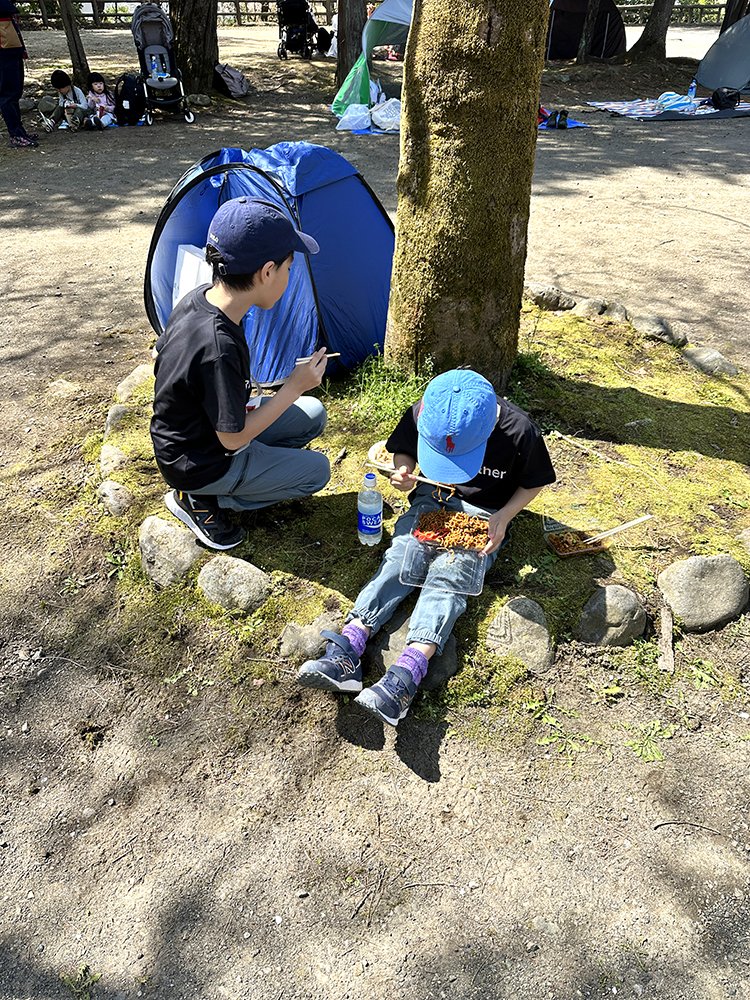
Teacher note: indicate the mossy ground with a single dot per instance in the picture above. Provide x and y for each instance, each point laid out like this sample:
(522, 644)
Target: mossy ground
(631, 429)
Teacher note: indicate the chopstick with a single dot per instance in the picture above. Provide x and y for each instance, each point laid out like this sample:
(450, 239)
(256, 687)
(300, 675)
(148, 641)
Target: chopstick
(419, 479)
(620, 527)
(302, 361)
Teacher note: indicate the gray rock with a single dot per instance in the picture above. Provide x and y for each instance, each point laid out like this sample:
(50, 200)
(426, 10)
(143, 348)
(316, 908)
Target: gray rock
(199, 100)
(548, 296)
(704, 591)
(589, 307)
(520, 629)
(115, 497)
(115, 417)
(707, 360)
(613, 616)
(138, 377)
(47, 105)
(744, 538)
(389, 643)
(617, 312)
(657, 328)
(167, 550)
(233, 583)
(26, 104)
(111, 458)
(304, 642)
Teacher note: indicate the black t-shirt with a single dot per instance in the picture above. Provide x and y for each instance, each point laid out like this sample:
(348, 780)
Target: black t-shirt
(515, 456)
(202, 385)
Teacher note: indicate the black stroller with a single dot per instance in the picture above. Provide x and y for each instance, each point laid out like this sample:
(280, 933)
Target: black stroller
(153, 35)
(298, 31)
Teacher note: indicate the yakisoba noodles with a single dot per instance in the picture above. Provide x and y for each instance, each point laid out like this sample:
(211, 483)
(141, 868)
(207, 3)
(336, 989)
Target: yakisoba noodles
(452, 529)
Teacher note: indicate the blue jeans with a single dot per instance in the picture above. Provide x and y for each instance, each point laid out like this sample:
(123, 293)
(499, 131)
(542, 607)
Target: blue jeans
(436, 611)
(273, 466)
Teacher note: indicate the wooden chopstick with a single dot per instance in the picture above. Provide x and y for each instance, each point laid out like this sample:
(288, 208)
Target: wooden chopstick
(419, 479)
(301, 361)
(620, 527)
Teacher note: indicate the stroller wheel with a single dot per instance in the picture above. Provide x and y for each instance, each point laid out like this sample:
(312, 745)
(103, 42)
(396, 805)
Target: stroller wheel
(189, 117)
(149, 118)
(281, 51)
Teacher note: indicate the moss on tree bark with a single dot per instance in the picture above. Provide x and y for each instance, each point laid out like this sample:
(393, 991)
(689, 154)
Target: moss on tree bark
(196, 42)
(468, 135)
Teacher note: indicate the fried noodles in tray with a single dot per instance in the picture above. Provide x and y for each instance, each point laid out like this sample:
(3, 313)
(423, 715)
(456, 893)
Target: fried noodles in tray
(451, 529)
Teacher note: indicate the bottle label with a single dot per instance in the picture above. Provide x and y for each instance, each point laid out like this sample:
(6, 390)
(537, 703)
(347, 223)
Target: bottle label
(370, 524)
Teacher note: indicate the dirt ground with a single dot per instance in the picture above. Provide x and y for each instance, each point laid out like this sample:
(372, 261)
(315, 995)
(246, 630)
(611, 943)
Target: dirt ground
(239, 845)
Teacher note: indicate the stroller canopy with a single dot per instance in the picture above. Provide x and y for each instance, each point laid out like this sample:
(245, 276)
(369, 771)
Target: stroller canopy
(566, 20)
(387, 25)
(151, 26)
(337, 298)
(727, 62)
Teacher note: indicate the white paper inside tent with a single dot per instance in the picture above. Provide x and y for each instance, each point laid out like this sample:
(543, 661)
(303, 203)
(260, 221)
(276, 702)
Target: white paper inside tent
(192, 269)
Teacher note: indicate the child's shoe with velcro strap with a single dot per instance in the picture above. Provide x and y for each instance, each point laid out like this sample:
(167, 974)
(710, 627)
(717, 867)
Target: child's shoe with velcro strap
(338, 670)
(205, 519)
(390, 699)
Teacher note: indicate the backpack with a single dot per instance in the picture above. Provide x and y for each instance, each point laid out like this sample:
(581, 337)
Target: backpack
(725, 98)
(230, 81)
(130, 99)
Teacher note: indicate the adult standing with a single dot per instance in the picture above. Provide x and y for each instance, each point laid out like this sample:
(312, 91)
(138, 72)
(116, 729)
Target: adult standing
(12, 55)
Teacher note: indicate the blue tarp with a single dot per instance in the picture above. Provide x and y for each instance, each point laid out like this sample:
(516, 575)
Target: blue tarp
(339, 297)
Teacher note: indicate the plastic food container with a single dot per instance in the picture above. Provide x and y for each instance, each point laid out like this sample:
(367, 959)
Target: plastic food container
(569, 542)
(379, 453)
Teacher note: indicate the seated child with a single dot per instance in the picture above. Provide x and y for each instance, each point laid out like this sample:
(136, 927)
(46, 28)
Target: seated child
(72, 106)
(215, 448)
(461, 433)
(101, 102)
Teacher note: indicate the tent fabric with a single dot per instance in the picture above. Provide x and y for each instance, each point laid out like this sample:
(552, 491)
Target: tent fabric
(727, 62)
(566, 22)
(338, 297)
(151, 26)
(388, 25)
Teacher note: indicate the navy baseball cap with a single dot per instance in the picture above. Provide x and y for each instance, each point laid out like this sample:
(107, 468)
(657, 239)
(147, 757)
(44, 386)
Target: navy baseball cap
(459, 412)
(248, 233)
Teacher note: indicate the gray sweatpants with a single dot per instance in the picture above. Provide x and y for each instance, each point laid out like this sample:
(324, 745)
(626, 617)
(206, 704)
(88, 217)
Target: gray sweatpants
(274, 467)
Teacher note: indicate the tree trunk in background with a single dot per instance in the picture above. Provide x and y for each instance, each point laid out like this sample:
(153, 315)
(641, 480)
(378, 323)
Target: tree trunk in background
(75, 45)
(196, 42)
(653, 42)
(352, 18)
(735, 10)
(587, 36)
(468, 136)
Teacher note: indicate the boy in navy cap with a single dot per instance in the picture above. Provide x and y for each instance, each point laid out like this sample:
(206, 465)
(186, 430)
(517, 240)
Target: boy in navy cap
(216, 448)
(462, 434)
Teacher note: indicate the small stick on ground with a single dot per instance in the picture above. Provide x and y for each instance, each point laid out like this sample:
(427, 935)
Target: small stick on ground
(687, 822)
(666, 649)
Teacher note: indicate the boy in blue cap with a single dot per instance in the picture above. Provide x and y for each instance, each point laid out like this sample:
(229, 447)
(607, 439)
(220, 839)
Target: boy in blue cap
(218, 449)
(463, 434)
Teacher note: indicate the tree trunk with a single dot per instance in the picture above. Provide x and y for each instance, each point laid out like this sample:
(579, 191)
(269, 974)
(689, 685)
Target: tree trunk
(653, 42)
(587, 35)
(196, 42)
(735, 10)
(75, 45)
(468, 135)
(352, 18)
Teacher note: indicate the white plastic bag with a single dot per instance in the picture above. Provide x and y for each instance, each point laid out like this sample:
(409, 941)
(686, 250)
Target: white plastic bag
(376, 93)
(356, 116)
(387, 116)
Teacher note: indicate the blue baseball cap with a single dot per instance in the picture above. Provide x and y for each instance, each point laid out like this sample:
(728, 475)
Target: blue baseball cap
(459, 412)
(248, 233)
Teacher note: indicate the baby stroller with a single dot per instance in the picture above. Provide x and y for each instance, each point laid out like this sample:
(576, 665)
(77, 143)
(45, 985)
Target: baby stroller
(153, 35)
(297, 28)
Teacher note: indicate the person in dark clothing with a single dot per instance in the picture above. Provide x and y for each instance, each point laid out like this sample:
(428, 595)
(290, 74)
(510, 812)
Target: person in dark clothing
(12, 55)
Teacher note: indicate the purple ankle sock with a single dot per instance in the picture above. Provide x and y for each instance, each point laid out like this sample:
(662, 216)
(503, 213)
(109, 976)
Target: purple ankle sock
(415, 662)
(356, 636)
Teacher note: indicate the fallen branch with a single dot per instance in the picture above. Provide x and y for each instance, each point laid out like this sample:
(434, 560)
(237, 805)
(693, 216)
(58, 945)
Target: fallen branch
(665, 662)
(687, 822)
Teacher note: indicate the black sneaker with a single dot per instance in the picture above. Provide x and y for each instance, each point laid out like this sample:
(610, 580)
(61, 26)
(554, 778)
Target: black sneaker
(390, 699)
(339, 670)
(204, 518)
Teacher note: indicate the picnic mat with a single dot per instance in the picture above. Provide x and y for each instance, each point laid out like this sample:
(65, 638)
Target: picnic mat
(648, 111)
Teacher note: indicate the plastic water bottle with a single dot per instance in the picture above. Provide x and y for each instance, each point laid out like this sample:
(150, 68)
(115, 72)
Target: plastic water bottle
(154, 66)
(691, 90)
(369, 512)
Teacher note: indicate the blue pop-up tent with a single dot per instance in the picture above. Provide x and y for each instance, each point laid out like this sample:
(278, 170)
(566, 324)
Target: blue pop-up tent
(337, 298)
